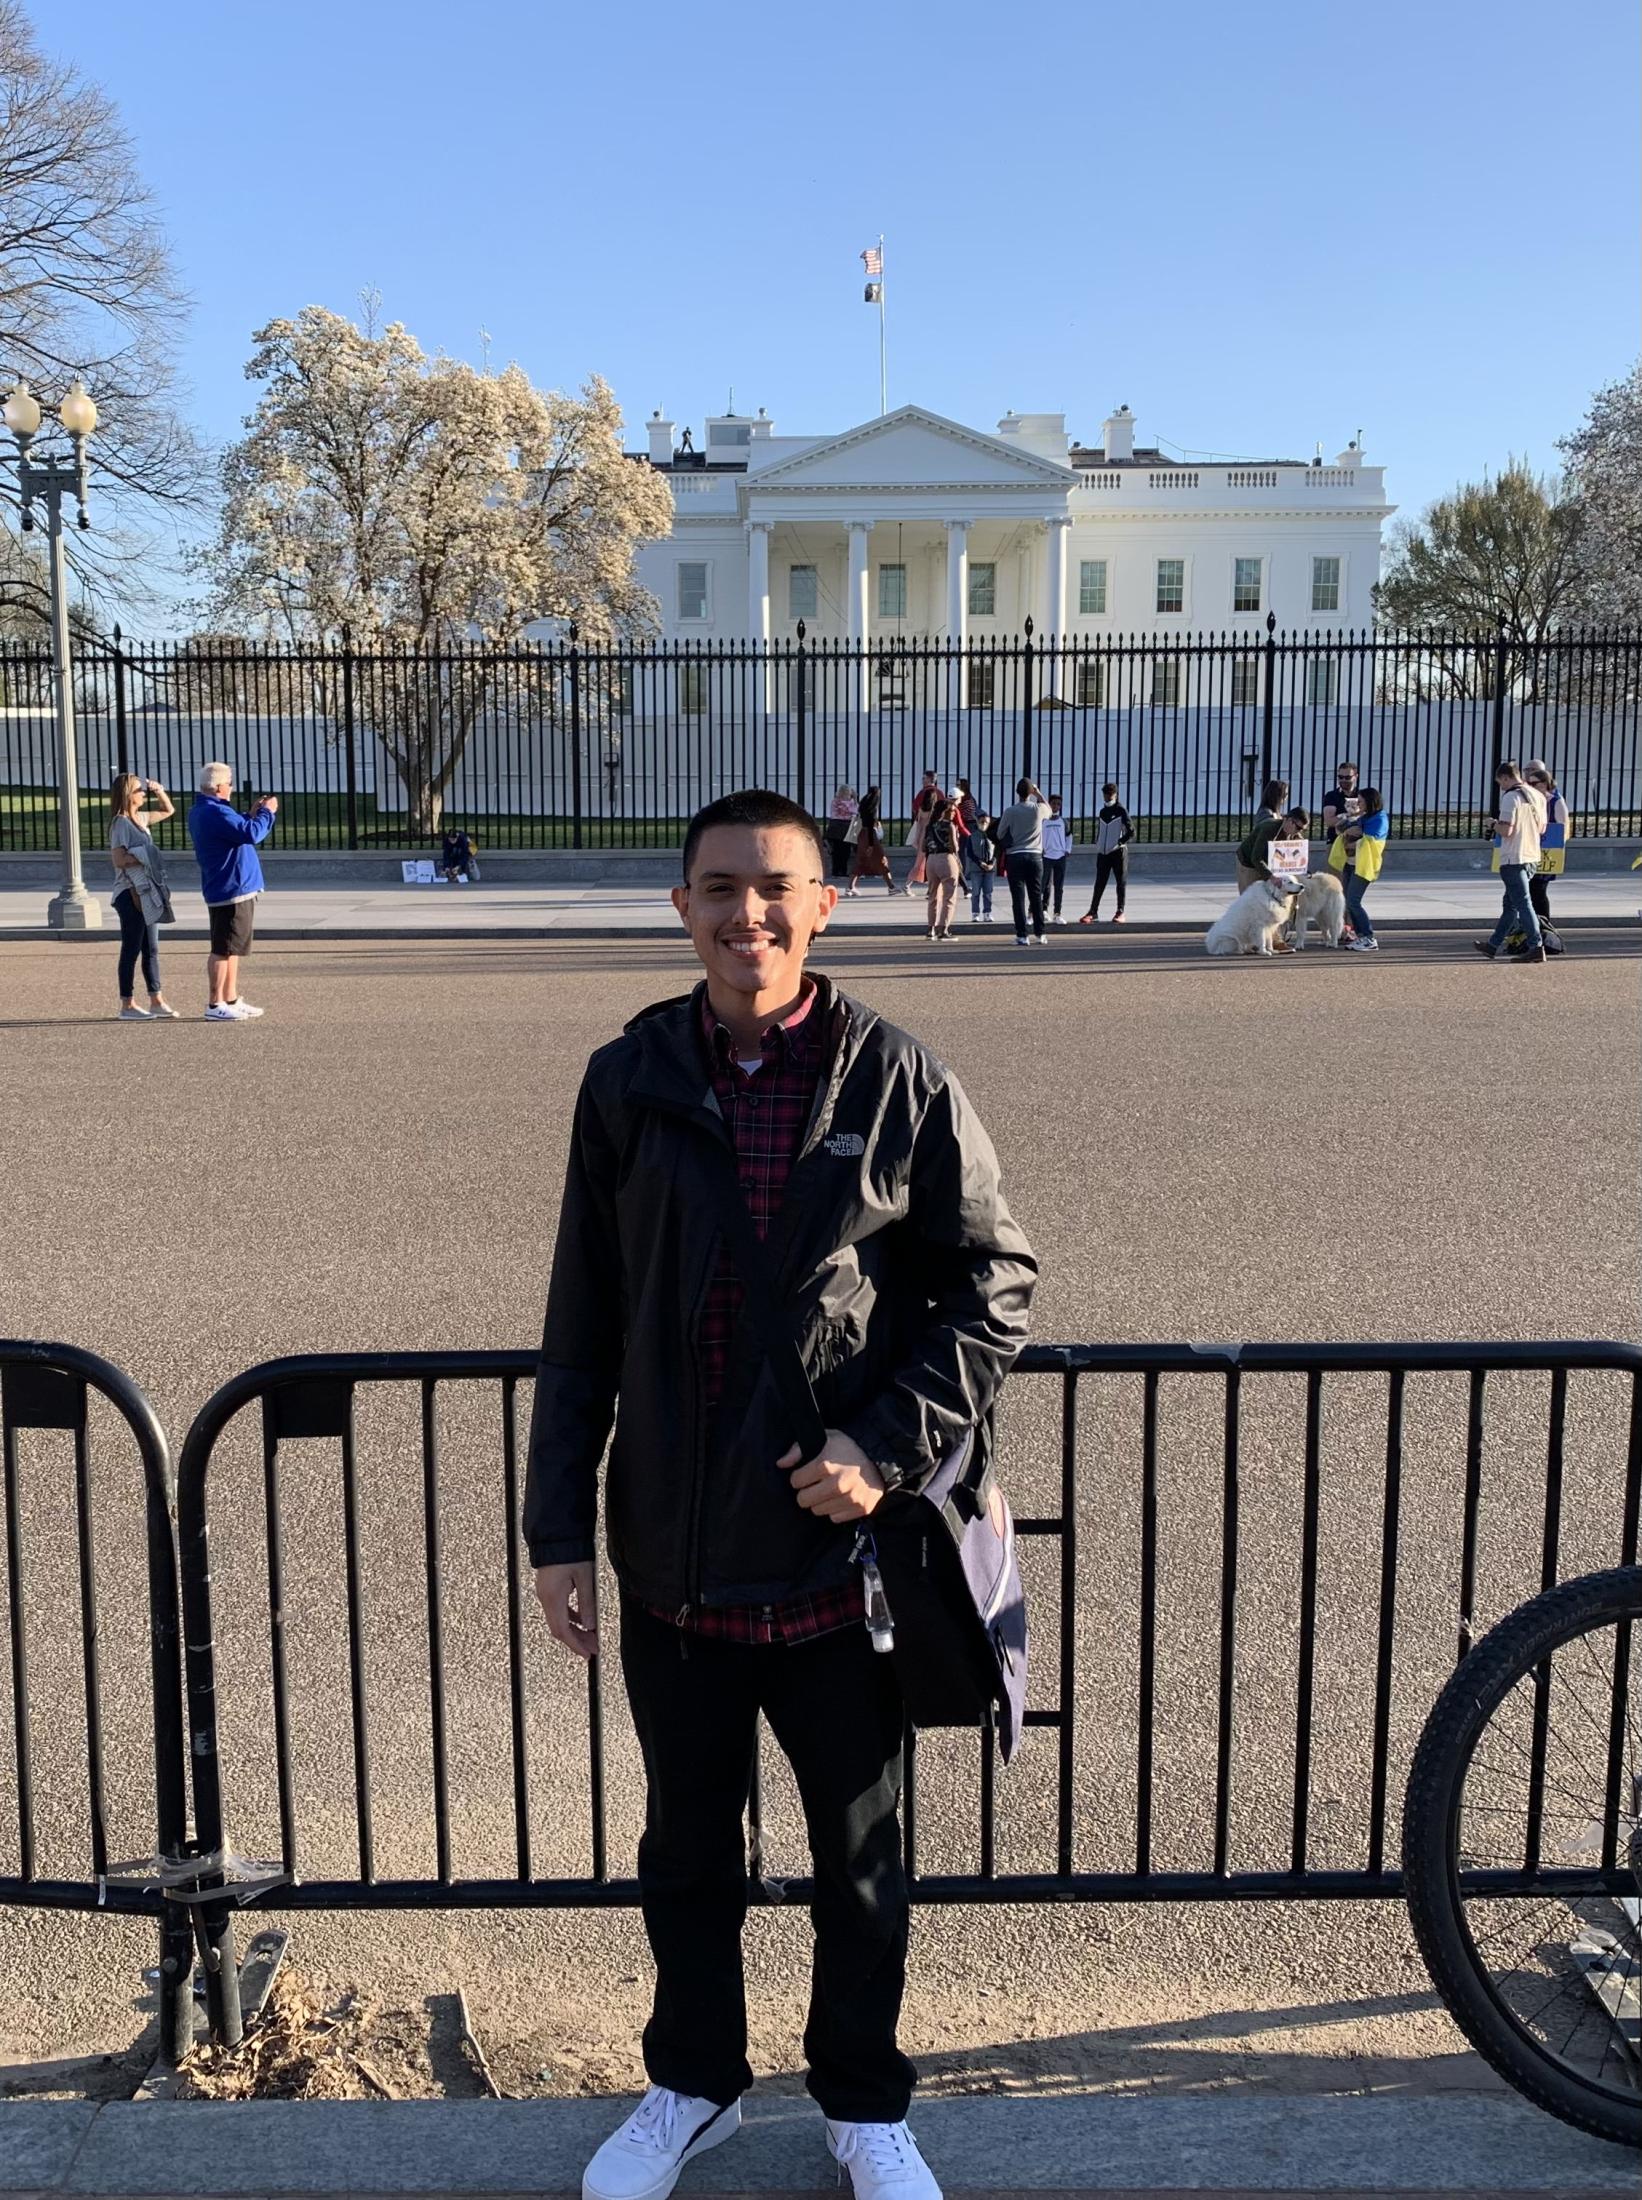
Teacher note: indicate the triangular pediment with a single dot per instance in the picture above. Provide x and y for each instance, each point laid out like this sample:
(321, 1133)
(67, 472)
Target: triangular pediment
(911, 448)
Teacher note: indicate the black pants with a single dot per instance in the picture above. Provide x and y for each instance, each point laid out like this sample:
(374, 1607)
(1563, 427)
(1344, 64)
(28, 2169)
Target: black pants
(1054, 883)
(1114, 865)
(137, 938)
(1026, 892)
(841, 851)
(834, 1708)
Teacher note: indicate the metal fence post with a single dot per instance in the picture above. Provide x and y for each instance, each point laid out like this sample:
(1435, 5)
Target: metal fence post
(122, 748)
(1498, 734)
(1028, 675)
(801, 730)
(349, 762)
(575, 739)
(1268, 704)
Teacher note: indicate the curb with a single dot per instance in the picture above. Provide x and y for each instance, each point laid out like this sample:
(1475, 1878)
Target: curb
(1145, 2144)
(610, 934)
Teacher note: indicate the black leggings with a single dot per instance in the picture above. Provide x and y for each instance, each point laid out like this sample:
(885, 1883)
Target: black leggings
(138, 937)
(1114, 865)
(1539, 893)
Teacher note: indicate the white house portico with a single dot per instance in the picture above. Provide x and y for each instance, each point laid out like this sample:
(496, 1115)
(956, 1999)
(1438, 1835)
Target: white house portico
(914, 525)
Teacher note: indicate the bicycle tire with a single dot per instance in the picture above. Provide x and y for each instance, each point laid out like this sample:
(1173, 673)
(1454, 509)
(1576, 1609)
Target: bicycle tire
(1506, 1655)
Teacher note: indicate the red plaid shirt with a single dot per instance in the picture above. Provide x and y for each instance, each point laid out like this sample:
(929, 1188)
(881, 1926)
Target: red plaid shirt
(767, 1113)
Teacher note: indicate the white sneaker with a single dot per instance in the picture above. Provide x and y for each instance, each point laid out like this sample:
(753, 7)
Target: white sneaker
(220, 1013)
(666, 2130)
(245, 1012)
(132, 1014)
(1039, 940)
(883, 2161)
(1020, 939)
(162, 1012)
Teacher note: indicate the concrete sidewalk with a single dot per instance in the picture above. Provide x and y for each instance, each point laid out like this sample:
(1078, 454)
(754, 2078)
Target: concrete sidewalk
(639, 909)
(1488, 2143)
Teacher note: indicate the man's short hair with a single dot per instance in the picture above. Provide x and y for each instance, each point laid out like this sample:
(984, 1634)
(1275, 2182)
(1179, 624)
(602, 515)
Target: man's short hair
(1024, 787)
(1344, 765)
(1110, 787)
(751, 806)
(215, 775)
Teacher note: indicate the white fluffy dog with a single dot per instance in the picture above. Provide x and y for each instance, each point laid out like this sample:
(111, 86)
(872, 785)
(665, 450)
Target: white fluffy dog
(1253, 921)
(1322, 902)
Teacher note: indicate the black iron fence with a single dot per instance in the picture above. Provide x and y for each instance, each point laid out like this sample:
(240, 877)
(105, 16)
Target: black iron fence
(563, 745)
(1251, 1568)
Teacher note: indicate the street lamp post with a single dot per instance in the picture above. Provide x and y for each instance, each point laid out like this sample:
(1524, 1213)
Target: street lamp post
(72, 909)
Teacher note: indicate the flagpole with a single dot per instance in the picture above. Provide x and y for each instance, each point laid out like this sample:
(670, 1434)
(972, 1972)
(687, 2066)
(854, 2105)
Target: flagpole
(883, 369)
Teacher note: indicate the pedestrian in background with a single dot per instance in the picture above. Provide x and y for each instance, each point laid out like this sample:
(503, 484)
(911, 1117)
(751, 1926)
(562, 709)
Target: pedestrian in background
(981, 866)
(1113, 833)
(1357, 857)
(1274, 802)
(1553, 849)
(456, 856)
(942, 866)
(142, 898)
(922, 803)
(1518, 829)
(871, 856)
(842, 810)
(225, 846)
(1020, 842)
(1057, 846)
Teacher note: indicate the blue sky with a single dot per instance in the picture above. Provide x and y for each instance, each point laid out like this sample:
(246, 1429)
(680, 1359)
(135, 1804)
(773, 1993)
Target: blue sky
(1258, 226)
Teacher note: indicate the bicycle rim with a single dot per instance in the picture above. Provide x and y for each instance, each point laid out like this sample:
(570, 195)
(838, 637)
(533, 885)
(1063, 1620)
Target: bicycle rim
(1544, 1856)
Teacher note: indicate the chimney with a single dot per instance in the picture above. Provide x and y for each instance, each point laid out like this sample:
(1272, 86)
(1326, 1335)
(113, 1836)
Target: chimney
(661, 440)
(1119, 434)
(763, 427)
(1350, 456)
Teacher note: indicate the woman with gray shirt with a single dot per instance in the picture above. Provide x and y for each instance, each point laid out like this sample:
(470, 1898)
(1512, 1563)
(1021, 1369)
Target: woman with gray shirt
(141, 897)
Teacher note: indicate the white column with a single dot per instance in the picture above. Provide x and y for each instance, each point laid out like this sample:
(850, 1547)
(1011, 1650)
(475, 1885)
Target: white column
(859, 532)
(758, 599)
(957, 605)
(758, 580)
(1054, 618)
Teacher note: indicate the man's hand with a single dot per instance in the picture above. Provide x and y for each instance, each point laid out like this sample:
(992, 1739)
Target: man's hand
(568, 1597)
(840, 1482)
(269, 802)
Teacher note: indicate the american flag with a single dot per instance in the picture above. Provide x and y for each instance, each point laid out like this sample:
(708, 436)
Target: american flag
(873, 259)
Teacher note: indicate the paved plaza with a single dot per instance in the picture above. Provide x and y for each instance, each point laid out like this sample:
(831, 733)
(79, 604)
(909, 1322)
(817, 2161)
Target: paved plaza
(1417, 1145)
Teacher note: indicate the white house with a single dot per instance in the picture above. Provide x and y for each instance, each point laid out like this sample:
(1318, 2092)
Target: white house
(915, 525)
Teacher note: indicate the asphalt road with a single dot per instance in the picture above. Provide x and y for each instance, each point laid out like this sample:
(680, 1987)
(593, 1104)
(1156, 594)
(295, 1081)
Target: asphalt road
(1418, 1145)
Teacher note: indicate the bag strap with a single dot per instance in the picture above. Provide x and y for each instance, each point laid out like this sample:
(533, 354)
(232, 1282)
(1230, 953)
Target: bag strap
(760, 1307)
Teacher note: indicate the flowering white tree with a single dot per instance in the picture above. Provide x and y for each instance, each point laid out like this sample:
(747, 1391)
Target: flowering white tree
(433, 511)
(1604, 461)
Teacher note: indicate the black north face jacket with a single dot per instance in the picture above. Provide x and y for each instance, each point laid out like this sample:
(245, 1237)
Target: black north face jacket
(900, 1269)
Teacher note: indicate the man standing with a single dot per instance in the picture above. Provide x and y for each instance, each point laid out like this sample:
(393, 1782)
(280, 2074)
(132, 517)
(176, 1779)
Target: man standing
(1113, 833)
(896, 1267)
(1518, 828)
(1341, 803)
(1020, 841)
(225, 845)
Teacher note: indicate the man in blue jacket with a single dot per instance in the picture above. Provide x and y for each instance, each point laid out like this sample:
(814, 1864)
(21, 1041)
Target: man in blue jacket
(230, 878)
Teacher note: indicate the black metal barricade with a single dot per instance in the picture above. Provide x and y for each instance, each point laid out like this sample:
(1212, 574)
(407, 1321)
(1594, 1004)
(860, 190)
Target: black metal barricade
(48, 1387)
(1351, 1562)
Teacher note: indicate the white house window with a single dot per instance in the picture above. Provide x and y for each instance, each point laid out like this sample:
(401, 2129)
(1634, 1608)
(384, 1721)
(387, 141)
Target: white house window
(983, 590)
(692, 690)
(1325, 584)
(803, 597)
(1091, 586)
(1091, 683)
(1323, 681)
(729, 438)
(892, 591)
(692, 590)
(1246, 584)
(1245, 681)
(1171, 584)
(1166, 680)
(981, 686)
